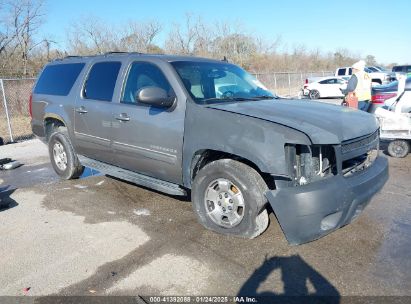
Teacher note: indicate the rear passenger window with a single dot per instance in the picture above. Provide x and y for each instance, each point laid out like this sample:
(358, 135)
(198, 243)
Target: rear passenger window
(58, 79)
(101, 81)
(141, 75)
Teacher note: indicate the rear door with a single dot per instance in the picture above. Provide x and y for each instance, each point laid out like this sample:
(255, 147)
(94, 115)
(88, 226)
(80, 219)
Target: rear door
(93, 111)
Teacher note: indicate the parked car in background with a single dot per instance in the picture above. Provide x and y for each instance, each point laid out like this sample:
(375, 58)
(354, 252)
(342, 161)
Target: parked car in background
(402, 69)
(376, 77)
(319, 87)
(376, 68)
(379, 94)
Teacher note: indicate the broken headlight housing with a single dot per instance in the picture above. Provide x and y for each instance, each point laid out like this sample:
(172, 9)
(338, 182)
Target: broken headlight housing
(307, 164)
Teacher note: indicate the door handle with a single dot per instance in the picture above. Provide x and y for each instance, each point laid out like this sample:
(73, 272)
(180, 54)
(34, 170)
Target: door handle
(123, 117)
(81, 110)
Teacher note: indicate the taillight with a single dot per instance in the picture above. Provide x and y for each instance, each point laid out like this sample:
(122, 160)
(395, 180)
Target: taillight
(31, 105)
(306, 80)
(380, 98)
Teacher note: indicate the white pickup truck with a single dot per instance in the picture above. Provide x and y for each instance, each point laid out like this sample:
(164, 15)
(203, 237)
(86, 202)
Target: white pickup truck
(376, 77)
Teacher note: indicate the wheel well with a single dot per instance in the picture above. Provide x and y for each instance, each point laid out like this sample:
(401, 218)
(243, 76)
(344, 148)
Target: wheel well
(376, 80)
(204, 157)
(52, 124)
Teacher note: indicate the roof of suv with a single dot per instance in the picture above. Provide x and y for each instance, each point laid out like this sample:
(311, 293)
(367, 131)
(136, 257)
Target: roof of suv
(168, 58)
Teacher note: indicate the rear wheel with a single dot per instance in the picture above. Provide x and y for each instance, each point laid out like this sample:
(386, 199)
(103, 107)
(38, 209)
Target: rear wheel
(228, 197)
(62, 156)
(314, 94)
(398, 148)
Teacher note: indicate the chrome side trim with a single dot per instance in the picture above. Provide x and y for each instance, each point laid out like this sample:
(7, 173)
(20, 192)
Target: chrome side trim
(91, 136)
(145, 152)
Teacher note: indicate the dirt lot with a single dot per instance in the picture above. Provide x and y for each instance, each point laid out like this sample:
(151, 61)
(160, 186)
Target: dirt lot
(101, 236)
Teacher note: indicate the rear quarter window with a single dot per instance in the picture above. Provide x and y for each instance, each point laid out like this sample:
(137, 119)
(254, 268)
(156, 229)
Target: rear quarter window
(58, 79)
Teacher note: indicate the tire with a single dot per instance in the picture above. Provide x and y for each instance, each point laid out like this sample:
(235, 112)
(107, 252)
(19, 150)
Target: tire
(398, 148)
(314, 94)
(62, 156)
(245, 190)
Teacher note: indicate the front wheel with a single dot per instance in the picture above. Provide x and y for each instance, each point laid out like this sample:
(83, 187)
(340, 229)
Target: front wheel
(228, 198)
(62, 156)
(398, 148)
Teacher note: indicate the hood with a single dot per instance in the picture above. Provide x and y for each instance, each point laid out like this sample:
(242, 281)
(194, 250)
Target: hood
(323, 123)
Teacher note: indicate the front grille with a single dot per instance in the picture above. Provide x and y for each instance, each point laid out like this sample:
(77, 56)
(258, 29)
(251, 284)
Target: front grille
(363, 161)
(350, 146)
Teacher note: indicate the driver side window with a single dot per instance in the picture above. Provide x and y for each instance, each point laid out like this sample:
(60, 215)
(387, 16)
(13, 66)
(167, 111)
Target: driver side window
(142, 75)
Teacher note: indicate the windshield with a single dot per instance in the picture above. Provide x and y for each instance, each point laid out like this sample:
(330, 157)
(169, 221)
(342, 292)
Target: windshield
(209, 82)
(373, 69)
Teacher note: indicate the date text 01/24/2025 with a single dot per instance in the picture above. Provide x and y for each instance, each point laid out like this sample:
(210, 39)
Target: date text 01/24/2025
(200, 299)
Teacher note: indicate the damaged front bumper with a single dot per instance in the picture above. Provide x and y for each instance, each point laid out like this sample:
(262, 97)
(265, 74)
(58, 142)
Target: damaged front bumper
(311, 211)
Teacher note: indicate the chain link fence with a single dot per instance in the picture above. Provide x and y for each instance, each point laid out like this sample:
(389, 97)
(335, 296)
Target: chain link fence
(15, 94)
(14, 109)
(287, 83)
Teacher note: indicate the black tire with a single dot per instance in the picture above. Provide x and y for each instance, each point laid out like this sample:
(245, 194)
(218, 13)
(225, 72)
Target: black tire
(398, 148)
(252, 187)
(73, 167)
(314, 94)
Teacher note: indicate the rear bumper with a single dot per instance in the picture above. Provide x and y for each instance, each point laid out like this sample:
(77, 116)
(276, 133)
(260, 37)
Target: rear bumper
(38, 128)
(309, 212)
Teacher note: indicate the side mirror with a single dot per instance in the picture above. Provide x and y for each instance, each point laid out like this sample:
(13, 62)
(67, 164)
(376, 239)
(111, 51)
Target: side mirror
(155, 96)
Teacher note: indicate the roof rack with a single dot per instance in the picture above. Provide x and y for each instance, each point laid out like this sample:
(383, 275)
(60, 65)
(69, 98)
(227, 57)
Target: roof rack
(71, 56)
(120, 52)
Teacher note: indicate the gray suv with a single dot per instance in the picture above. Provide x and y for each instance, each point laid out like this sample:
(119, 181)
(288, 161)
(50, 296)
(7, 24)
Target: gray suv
(185, 125)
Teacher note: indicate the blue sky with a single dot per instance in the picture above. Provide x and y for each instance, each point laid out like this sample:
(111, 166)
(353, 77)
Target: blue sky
(380, 28)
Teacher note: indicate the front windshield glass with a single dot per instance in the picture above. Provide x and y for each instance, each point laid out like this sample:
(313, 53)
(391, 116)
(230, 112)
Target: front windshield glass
(209, 82)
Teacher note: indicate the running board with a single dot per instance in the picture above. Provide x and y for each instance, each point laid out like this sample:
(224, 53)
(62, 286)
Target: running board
(136, 178)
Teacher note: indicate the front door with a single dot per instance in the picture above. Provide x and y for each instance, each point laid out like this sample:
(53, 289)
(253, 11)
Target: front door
(93, 112)
(148, 139)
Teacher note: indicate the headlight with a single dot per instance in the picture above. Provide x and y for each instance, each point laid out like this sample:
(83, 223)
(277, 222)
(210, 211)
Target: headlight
(310, 163)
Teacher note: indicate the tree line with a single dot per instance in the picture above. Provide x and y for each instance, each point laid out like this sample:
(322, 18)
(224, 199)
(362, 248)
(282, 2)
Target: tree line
(23, 52)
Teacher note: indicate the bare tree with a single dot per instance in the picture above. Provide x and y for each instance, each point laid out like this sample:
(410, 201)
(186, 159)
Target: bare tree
(90, 35)
(139, 37)
(27, 18)
(370, 60)
(7, 35)
(182, 39)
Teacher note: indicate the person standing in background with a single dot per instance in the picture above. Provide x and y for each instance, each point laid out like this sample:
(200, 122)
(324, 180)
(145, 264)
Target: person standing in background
(360, 85)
